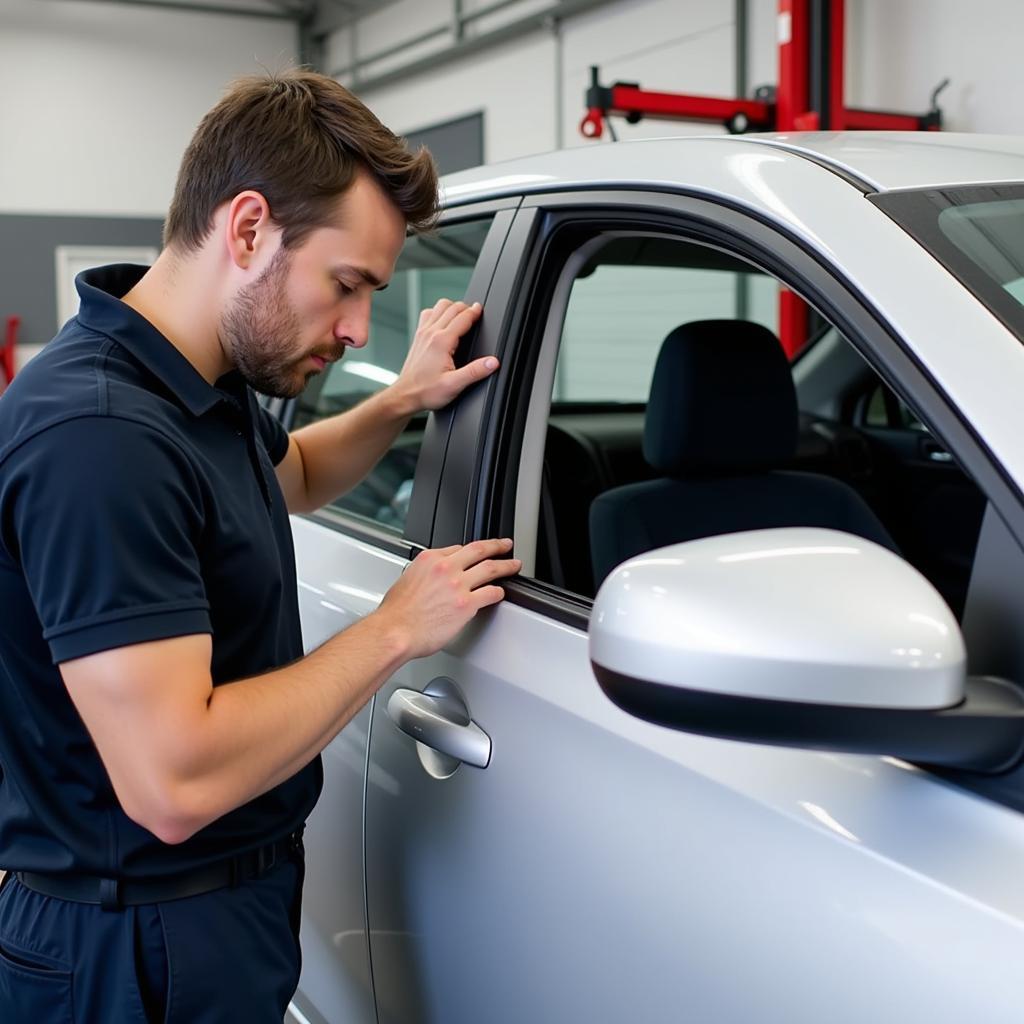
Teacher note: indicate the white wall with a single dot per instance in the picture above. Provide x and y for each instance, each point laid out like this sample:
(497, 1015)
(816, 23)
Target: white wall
(531, 90)
(99, 100)
(512, 84)
(899, 50)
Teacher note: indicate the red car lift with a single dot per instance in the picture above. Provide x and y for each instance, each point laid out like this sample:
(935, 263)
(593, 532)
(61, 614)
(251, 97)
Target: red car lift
(7, 352)
(809, 97)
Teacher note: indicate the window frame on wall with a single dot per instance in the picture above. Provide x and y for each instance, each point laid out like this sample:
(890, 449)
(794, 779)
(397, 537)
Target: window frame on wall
(438, 138)
(418, 527)
(72, 260)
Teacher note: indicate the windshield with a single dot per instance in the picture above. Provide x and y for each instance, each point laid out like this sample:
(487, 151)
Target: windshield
(976, 232)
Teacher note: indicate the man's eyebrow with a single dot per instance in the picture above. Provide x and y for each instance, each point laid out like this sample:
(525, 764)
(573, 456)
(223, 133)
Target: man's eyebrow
(366, 276)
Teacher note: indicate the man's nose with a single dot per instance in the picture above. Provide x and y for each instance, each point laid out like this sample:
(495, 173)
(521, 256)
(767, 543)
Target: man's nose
(354, 326)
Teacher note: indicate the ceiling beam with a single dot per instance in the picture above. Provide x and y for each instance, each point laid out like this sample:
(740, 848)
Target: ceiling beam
(462, 48)
(197, 7)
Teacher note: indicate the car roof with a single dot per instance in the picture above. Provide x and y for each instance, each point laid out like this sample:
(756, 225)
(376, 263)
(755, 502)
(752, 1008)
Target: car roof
(874, 161)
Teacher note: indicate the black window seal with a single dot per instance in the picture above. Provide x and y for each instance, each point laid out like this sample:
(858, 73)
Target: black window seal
(361, 529)
(549, 600)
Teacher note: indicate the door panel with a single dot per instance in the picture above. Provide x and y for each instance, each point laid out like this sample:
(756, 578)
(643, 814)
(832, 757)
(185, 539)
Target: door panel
(341, 580)
(601, 869)
(347, 562)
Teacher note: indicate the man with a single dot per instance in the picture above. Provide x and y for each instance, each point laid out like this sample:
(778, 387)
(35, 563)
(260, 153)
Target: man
(160, 729)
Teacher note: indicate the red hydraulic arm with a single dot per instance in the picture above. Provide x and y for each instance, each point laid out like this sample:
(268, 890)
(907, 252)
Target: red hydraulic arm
(628, 100)
(809, 97)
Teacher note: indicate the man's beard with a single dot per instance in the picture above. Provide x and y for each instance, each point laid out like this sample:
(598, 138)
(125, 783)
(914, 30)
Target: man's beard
(260, 333)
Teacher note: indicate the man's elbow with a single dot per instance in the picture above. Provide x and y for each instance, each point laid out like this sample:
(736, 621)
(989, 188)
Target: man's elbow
(168, 814)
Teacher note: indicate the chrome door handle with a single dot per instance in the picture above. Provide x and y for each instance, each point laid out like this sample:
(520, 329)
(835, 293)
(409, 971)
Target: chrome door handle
(438, 719)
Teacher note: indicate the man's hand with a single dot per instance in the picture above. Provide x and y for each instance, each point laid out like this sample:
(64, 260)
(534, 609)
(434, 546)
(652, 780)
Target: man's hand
(331, 456)
(181, 752)
(442, 590)
(429, 378)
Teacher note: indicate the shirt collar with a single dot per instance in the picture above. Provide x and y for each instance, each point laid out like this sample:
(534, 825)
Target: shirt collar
(103, 311)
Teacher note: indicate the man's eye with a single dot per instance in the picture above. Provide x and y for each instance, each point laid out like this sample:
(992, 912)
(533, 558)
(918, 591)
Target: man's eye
(344, 288)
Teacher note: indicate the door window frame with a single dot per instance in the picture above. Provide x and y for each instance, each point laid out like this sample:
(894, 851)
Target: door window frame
(418, 528)
(479, 485)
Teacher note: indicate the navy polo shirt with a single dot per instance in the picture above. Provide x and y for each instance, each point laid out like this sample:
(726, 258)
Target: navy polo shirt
(137, 503)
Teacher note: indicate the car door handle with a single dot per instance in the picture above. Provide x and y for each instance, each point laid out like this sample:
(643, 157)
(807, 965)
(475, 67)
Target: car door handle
(934, 452)
(438, 719)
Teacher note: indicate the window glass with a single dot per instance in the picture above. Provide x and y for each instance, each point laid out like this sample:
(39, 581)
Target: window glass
(620, 312)
(736, 453)
(430, 267)
(990, 234)
(977, 233)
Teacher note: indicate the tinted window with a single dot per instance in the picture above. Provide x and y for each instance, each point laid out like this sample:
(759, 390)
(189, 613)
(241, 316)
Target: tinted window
(977, 233)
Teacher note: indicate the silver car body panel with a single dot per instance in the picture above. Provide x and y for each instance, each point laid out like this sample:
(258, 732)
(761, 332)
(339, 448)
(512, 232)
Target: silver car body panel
(340, 580)
(604, 869)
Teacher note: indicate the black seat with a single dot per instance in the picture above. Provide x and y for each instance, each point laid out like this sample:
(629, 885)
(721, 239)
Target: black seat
(722, 415)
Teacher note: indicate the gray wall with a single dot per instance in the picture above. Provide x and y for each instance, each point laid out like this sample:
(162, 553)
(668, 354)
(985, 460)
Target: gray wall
(28, 281)
(455, 145)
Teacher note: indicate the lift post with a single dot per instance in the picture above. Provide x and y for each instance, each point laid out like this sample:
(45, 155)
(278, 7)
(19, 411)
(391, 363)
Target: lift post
(7, 352)
(809, 97)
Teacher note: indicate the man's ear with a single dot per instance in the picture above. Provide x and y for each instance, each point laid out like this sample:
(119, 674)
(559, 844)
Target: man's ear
(248, 229)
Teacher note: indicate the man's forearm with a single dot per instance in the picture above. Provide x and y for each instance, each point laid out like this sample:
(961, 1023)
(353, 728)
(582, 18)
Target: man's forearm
(337, 453)
(255, 733)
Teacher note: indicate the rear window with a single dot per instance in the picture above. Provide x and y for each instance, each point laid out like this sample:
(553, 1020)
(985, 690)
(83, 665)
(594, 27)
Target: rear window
(977, 233)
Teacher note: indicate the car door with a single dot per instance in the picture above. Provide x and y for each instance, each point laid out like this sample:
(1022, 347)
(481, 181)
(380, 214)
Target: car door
(347, 556)
(595, 867)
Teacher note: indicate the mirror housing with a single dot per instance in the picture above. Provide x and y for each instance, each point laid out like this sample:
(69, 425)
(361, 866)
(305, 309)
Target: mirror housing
(799, 637)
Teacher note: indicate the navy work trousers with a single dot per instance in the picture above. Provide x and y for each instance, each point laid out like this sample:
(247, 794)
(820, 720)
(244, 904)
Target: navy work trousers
(226, 957)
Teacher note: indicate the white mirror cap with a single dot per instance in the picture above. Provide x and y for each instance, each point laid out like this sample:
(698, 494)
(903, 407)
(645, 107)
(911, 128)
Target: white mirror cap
(794, 614)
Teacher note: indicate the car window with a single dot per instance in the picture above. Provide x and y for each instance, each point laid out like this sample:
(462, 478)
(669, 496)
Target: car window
(623, 304)
(883, 409)
(431, 267)
(977, 233)
(731, 450)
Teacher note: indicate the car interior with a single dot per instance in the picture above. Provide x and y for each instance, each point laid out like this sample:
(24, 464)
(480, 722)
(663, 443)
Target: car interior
(731, 435)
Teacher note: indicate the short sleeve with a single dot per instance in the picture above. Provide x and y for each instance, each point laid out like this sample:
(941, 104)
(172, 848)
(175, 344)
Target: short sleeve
(275, 437)
(105, 518)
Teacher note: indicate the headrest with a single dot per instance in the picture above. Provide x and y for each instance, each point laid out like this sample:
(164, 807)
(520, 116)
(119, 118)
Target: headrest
(722, 399)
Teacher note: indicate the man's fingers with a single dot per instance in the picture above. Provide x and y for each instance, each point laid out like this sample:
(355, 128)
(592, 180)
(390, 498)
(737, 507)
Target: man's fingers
(459, 317)
(489, 570)
(428, 553)
(458, 380)
(478, 550)
(430, 317)
(487, 596)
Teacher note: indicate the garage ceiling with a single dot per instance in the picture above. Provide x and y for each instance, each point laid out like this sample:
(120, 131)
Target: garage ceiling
(337, 12)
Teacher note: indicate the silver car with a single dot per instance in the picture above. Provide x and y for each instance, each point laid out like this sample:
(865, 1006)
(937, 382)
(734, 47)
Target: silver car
(743, 741)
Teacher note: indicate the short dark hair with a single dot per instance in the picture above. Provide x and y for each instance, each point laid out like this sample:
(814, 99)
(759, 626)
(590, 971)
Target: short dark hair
(299, 138)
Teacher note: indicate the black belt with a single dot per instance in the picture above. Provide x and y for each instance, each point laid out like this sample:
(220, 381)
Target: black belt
(114, 893)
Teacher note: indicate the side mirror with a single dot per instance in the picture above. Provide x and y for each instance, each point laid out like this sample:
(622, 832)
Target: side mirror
(799, 637)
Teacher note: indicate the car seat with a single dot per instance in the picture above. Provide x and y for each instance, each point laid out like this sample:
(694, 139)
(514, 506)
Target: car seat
(722, 416)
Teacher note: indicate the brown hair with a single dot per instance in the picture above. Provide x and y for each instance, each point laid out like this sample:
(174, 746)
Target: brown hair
(298, 138)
